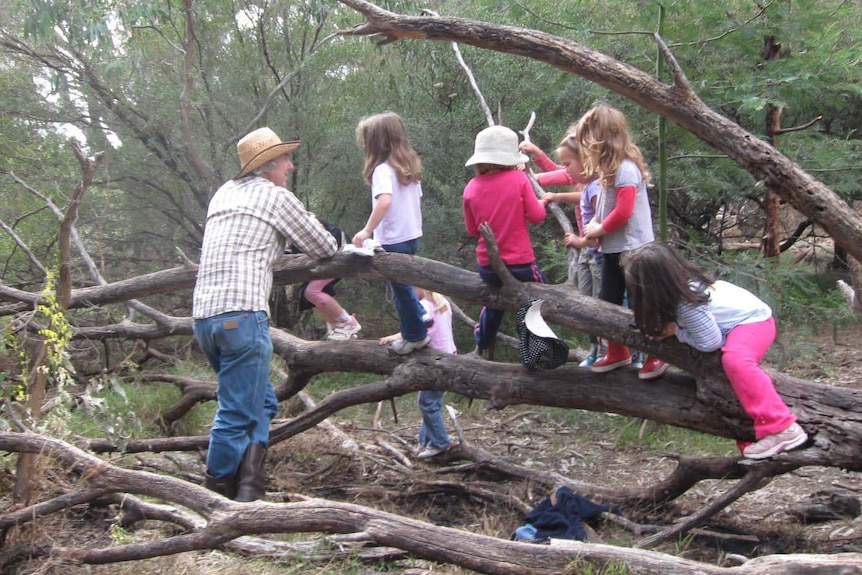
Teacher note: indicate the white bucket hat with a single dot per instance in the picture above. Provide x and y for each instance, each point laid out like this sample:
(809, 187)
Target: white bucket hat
(497, 145)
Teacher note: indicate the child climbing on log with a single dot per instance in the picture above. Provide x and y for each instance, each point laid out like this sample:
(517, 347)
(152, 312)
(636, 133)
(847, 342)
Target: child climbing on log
(672, 297)
(623, 219)
(501, 195)
(433, 438)
(583, 194)
(393, 169)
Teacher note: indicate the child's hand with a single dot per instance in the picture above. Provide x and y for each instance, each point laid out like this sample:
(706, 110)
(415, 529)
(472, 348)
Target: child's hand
(360, 237)
(548, 198)
(529, 148)
(386, 340)
(574, 241)
(594, 230)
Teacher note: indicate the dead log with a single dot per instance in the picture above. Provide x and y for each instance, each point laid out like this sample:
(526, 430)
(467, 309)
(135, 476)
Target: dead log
(699, 399)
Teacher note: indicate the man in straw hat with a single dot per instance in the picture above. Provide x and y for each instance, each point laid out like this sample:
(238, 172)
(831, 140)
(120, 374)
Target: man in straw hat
(250, 221)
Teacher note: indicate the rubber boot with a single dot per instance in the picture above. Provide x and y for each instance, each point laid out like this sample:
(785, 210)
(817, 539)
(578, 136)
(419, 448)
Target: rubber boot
(653, 368)
(618, 355)
(224, 486)
(251, 480)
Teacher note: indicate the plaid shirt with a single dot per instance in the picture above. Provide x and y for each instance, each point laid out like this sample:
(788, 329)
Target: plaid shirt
(249, 224)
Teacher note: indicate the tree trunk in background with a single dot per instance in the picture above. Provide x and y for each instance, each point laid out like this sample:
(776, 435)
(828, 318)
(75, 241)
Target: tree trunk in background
(772, 201)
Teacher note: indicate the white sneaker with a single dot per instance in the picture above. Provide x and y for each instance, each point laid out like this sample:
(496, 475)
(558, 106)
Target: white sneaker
(430, 451)
(776, 443)
(345, 329)
(403, 347)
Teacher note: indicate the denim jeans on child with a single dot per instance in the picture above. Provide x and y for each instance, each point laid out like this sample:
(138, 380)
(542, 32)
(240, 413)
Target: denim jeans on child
(238, 347)
(490, 318)
(432, 432)
(410, 311)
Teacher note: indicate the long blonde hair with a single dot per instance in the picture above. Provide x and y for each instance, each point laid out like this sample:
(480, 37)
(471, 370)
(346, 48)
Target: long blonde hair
(603, 140)
(441, 304)
(383, 138)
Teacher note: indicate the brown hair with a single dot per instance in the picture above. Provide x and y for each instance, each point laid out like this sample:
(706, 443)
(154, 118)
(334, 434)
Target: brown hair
(603, 141)
(383, 138)
(482, 169)
(658, 279)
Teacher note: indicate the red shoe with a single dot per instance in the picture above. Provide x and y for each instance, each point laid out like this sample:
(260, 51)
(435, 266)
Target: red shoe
(653, 368)
(618, 355)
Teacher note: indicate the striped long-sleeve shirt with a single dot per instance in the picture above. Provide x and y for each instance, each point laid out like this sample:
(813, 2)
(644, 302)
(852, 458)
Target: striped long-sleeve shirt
(704, 326)
(249, 224)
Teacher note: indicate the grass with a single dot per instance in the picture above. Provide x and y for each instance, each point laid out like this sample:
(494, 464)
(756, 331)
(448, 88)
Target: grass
(582, 567)
(132, 410)
(636, 433)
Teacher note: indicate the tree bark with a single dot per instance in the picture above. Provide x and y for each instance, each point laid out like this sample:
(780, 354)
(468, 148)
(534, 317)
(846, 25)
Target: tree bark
(702, 400)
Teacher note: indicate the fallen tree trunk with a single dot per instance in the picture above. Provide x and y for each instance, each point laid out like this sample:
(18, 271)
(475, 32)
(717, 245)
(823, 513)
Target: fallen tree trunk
(702, 400)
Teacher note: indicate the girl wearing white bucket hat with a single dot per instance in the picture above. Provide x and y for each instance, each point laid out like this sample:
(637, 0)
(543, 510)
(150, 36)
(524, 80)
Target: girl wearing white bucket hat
(503, 196)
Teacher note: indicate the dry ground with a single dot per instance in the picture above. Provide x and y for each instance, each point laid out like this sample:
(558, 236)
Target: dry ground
(598, 449)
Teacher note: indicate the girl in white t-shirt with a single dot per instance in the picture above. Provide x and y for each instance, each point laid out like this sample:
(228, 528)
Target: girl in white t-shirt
(393, 169)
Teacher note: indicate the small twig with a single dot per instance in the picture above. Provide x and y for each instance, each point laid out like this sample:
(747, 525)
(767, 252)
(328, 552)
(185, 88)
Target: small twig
(186, 259)
(399, 455)
(497, 264)
(799, 128)
(453, 415)
(679, 79)
(375, 421)
(489, 117)
(526, 131)
(23, 246)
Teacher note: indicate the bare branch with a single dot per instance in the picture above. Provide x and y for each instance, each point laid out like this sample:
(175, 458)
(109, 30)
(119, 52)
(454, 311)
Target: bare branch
(23, 247)
(799, 128)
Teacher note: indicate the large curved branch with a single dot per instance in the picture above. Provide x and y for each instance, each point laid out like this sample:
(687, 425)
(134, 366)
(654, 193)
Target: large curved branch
(676, 103)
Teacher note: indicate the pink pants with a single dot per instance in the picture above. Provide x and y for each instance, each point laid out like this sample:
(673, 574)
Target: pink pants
(743, 349)
(315, 294)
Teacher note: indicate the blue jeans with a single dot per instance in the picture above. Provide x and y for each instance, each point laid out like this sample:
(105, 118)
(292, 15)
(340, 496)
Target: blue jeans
(432, 432)
(410, 311)
(238, 348)
(490, 318)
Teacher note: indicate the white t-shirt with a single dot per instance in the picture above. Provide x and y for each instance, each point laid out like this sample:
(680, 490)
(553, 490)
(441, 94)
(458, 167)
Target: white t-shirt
(403, 219)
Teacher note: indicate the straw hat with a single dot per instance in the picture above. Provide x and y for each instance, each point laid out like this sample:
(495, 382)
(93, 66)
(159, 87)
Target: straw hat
(497, 145)
(260, 146)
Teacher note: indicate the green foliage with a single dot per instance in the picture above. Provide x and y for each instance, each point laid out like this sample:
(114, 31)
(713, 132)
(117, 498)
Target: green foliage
(628, 433)
(584, 567)
(127, 410)
(86, 22)
(10, 389)
(799, 296)
(281, 65)
(56, 335)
